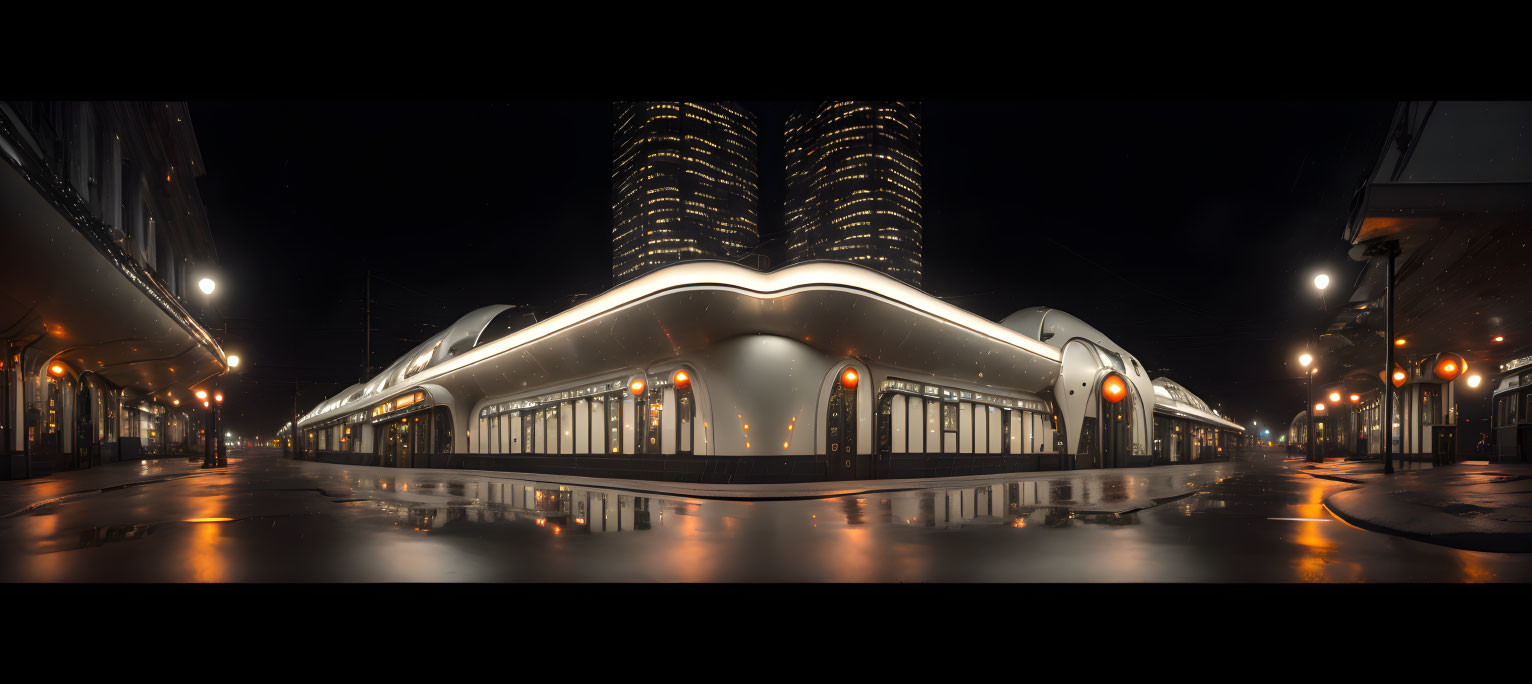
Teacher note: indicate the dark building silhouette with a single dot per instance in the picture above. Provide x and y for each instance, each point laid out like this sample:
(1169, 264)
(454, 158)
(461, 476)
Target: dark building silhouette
(853, 186)
(684, 184)
(104, 242)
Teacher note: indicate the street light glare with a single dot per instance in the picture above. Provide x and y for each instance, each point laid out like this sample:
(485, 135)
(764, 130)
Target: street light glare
(1305, 360)
(207, 285)
(1321, 281)
(234, 361)
(1474, 380)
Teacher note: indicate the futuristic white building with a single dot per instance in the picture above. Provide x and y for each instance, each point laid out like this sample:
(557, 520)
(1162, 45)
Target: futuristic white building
(710, 371)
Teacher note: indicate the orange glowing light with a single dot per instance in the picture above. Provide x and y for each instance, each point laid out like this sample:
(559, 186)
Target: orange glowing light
(218, 397)
(175, 402)
(1114, 389)
(1356, 398)
(681, 379)
(848, 378)
(784, 445)
(1335, 396)
(1399, 342)
(636, 387)
(207, 520)
(1449, 366)
(1500, 338)
(1319, 407)
(56, 369)
(201, 394)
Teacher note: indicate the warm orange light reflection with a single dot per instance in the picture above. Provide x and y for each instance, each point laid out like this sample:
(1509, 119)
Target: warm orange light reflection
(56, 369)
(207, 520)
(636, 387)
(1335, 396)
(848, 378)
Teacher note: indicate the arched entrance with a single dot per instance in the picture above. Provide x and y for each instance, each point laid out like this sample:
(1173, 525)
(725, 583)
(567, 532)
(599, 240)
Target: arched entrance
(1116, 412)
(841, 426)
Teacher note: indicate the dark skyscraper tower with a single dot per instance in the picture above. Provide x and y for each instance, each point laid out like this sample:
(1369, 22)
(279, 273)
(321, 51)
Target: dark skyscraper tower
(684, 184)
(853, 186)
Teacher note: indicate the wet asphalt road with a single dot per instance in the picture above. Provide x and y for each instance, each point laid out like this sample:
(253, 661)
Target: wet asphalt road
(1258, 519)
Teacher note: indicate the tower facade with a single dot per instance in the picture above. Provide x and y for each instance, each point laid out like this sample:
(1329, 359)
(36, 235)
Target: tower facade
(853, 186)
(684, 184)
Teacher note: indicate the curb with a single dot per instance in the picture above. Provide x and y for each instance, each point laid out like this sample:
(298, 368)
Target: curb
(1466, 541)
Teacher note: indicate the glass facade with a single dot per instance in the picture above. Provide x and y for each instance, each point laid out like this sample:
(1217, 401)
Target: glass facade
(601, 418)
(916, 418)
(1180, 440)
(684, 184)
(853, 186)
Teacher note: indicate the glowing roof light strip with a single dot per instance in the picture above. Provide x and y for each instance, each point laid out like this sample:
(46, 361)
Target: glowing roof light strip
(725, 275)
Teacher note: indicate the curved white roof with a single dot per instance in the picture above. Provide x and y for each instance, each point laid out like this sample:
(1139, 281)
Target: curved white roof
(1174, 398)
(686, 275)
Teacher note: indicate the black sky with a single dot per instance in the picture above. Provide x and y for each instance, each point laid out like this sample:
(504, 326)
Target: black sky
(1186, 232)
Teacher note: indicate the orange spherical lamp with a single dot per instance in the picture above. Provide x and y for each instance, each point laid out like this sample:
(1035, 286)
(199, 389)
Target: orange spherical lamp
(1449, 365)
(849, 378)
(1114, 388)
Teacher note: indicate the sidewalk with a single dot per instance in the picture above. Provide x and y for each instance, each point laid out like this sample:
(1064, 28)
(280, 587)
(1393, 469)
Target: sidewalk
(1479, 507)
(19, 496)
(1356, 472)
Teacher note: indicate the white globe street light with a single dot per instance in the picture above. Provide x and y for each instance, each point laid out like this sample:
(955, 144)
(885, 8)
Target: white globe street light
(207, 285)
(1305, 360)
(1474, 380)
(1321, 281)
(233, 361)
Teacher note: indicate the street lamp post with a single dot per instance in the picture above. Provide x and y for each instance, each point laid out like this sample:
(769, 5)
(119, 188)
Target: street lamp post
(1321, 282)
(1308, 373)
(222, 456)
(1390, 249)
(207, 429)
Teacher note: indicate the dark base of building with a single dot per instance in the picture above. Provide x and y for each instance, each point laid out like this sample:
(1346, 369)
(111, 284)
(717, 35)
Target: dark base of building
(742, 469)
(17, 465)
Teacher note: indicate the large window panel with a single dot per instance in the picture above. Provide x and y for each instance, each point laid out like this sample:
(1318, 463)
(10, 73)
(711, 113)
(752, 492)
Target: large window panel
(933, 426)
(917, 425)
(995, 431)
(965, 427)
(581, 427)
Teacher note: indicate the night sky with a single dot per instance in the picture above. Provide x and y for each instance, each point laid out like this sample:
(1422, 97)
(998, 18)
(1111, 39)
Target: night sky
(1189, 233)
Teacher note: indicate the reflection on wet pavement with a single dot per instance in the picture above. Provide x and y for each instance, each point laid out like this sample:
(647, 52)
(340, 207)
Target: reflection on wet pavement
(271, 519)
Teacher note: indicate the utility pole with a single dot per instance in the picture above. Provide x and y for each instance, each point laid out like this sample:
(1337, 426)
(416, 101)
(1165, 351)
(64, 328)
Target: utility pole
(367, 365)
(1392, 247)
(292, 434)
